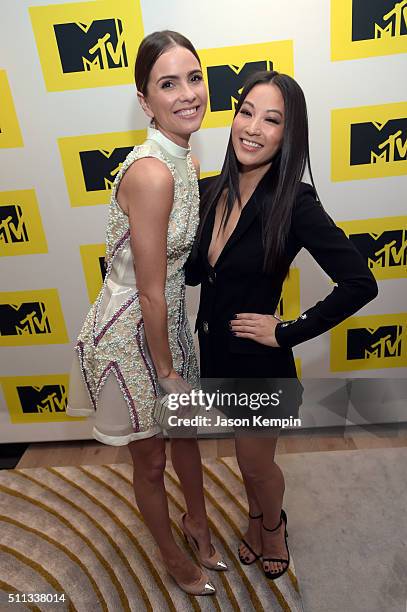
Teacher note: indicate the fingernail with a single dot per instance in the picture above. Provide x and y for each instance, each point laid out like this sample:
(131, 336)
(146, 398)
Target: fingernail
(234, 316)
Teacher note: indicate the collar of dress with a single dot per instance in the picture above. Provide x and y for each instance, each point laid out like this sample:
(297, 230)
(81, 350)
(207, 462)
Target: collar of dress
(167, 144)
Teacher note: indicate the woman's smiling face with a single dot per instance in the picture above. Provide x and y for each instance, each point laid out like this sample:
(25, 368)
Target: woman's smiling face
(257, 129)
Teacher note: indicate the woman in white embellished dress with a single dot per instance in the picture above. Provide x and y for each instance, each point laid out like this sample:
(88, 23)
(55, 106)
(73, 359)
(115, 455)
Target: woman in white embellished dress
(136, 337)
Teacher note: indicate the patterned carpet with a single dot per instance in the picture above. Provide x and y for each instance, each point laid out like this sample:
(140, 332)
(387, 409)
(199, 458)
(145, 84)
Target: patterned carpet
(76, 530)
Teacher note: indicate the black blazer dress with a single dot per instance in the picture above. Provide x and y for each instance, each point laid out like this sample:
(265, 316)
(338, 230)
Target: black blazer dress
(237, 283)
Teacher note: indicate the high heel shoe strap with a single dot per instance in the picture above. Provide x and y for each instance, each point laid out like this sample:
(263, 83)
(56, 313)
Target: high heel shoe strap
(275, 528)
(256, 517)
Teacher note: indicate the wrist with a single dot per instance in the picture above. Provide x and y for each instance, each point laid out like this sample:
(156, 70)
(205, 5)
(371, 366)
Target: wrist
(167, 374)
(164, 372)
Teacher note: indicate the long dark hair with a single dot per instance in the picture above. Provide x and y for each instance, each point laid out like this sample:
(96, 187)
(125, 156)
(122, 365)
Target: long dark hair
(284, 176)
(150, 49)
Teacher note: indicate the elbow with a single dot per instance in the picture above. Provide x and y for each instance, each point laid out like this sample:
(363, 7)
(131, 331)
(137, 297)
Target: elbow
(151, 299)
(374, 290)
(360, 291)
(368, 290)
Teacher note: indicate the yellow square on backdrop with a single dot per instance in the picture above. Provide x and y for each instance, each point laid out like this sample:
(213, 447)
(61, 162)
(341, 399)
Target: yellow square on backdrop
(36, 399)
(31, 317)
(360, 28)
(10, 134)
(92, 162)
(21, 231)
(369, 141)
(370, 342)
(87, 44)
(383, 243)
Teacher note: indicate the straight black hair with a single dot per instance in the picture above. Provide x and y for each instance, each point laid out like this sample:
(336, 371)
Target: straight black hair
(284, 175)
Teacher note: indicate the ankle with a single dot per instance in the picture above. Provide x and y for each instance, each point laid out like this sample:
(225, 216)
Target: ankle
(197, 523)
(172, 556)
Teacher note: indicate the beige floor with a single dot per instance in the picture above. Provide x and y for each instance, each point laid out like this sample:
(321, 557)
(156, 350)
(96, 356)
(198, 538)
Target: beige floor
(90, 452)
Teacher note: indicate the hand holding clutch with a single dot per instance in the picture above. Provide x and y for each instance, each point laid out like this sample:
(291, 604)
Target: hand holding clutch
(174, 386)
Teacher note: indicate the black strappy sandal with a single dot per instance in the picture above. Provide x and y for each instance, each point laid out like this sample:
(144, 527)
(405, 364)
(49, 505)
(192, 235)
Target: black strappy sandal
(274, 575)
(250, 549)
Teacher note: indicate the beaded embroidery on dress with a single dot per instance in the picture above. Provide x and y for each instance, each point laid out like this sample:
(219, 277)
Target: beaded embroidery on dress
(112, 340)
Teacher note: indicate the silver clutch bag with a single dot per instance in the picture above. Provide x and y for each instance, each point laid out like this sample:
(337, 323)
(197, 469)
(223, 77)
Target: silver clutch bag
(161, 412)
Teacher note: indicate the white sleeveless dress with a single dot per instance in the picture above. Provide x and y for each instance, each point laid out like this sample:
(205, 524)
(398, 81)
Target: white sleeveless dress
(113, 376)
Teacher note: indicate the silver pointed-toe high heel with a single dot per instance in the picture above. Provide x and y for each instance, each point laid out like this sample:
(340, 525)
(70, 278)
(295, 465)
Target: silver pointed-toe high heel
(214, 562)
(203, 586)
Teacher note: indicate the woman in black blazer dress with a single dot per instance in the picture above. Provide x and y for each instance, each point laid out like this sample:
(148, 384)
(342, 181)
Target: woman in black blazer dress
(255, 218)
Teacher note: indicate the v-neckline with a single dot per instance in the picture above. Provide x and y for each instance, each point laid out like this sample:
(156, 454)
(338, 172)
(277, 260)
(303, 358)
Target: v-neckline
(213, 237)
(246, 217)
(227, 243)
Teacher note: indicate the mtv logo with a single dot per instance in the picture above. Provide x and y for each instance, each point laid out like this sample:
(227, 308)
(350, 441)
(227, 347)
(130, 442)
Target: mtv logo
(99, 45)
(29, 318)
(100, 167)
(12, 227)
(386, 32)
(373, 142)
(382, 250)
(378, 19)
(225, 82)
(383, 342)
(40, 400)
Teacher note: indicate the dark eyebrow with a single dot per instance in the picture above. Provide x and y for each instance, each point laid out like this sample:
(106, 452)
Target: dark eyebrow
(175, 77)
(168, 76)
(269, 110)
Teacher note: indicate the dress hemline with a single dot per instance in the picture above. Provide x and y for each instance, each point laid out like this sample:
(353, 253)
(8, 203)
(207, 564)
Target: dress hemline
(113, 440)
(124, 440)
(79, 412)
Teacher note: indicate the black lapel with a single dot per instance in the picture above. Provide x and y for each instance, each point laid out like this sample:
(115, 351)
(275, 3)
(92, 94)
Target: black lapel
(208, 227)
(247, 217)
(207, 234)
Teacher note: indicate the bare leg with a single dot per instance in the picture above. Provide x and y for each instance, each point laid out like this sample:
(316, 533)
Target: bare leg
(256, 460)
(253, 533)
(186, 459)
(148, 480)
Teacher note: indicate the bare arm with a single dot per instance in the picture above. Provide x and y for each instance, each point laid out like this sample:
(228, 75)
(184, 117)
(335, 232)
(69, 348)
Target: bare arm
(146, 193)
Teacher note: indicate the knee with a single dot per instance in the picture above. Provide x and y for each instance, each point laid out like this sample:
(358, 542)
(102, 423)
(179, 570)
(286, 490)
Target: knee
(259, 473)
(180, 445)
(255, 473)
(150, 469)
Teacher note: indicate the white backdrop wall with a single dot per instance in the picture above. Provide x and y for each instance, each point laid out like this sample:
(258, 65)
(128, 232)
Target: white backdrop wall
(52, 226)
